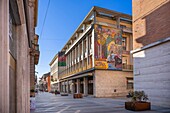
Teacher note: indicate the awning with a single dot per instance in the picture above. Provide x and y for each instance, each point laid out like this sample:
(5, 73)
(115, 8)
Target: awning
(80, 76)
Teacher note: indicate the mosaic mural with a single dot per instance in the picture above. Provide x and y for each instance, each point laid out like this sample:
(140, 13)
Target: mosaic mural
(108, 48)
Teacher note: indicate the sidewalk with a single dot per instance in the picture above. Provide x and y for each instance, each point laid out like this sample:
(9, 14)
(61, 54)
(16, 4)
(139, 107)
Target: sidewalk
(50, 103)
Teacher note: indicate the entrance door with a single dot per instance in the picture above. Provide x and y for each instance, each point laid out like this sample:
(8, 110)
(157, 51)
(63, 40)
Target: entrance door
(90, 85)
(90, 88)
(81, 88)
(75, 88)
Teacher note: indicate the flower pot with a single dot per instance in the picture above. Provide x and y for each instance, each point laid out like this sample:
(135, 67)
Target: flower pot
(77, 95)
(137, 106)
(64, 94)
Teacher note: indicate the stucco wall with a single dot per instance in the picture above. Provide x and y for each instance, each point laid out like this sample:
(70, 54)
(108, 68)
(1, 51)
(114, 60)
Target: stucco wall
(152, 73)
(107, 81)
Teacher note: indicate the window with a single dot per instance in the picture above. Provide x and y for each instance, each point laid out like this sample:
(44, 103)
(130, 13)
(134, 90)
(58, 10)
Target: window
(80, 48)
(122, 26)
(124, 43)
(85, 62)
(129, 83)
(84, 45)
(89, 43)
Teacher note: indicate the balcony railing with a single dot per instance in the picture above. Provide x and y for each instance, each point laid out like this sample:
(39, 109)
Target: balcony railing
(106, 24)
(36, 47)
(127, 29)
(126, 67)
(65, 72)
(36, 53)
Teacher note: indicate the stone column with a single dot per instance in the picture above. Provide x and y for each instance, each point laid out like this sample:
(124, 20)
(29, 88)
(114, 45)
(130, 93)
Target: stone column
(73, 87)
(78, 85)
(67, 86)
(23, 70)
(64, 87)
(59, 86)
(4, 54)
(85, 86)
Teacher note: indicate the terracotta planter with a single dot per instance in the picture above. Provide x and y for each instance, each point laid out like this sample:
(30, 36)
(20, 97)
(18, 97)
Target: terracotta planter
(137, 106)
(56, 92)
(77, 95)
(64, 94)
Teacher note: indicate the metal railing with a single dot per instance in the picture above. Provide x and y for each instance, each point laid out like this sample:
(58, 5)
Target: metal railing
(127, 29)
(65, 72)
(127, 67)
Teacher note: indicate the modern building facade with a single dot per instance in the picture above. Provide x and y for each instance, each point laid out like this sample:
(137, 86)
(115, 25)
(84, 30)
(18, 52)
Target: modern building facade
(98, 60)
(151, 44)
(54, 73)
(17, 32)
(57, 65)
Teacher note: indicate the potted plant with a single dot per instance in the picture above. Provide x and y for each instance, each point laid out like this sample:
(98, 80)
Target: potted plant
(138, 101)
(56, 92)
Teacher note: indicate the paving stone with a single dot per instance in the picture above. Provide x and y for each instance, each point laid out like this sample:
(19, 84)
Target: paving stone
(50, 103)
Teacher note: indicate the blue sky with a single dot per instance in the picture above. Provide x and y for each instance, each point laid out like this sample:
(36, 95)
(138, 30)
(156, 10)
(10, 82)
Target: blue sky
(63, 17)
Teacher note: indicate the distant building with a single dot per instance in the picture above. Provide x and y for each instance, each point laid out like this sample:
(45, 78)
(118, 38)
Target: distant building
(151, 28)
(44, 83)
(57, 65)
(19, 54)
(98, 60)
(48, 81)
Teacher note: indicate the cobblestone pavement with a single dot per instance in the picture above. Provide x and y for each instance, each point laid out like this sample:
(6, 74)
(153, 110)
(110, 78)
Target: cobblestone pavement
(50, 103)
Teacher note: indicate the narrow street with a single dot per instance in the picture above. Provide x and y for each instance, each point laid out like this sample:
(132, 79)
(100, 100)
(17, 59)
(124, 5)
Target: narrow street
(50, 103)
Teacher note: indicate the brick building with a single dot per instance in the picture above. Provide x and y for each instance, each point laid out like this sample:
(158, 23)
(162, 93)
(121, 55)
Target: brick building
(98, 61)
(151, 44)
(17, 52)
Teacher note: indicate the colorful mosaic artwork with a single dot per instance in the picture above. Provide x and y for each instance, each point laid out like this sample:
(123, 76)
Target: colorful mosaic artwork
(108, 48)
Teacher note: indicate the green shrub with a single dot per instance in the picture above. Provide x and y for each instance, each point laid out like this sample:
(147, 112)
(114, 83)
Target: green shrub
(32, 90)
(138, 96)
